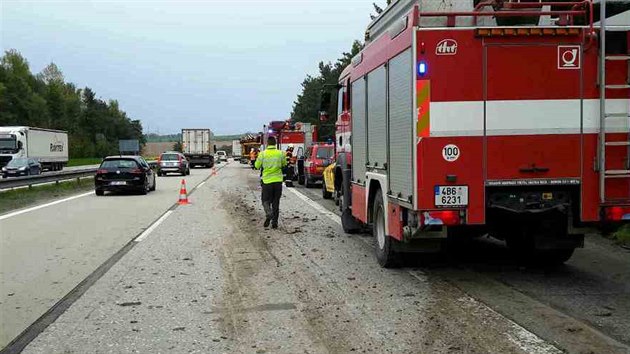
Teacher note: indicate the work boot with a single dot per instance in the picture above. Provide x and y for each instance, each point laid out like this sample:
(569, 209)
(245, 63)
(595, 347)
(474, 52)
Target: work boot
(267, 221)
(274, 225)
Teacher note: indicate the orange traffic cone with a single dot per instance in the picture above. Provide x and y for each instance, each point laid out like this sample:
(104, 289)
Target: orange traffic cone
(183, 195)
(214, 171)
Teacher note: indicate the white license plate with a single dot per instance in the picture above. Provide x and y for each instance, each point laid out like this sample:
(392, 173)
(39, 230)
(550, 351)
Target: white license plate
(447, 196)
(118, 183)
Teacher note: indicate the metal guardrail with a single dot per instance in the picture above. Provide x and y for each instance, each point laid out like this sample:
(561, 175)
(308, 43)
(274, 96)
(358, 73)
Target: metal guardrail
(27, 181)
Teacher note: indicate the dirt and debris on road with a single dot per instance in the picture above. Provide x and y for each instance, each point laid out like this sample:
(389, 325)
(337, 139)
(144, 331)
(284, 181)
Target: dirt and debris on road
(211, 279)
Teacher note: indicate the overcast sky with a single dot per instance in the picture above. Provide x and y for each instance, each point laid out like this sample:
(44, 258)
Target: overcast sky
(229, 65)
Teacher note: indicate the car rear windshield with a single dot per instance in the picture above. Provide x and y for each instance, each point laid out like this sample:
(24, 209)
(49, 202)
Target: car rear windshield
(169, 157)
(119, 163)
(324, 152)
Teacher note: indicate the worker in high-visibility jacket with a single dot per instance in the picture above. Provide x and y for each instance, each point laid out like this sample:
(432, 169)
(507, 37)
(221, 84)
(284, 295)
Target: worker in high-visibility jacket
(271, 161)
(252, 157)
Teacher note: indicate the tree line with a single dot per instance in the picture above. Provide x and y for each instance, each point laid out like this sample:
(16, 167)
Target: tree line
(306, 107)
(46, 100)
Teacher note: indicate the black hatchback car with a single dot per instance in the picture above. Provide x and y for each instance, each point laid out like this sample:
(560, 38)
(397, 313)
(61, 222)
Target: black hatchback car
(124, 173)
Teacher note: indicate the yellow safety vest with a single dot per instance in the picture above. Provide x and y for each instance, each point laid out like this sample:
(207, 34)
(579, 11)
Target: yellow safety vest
(271, 160)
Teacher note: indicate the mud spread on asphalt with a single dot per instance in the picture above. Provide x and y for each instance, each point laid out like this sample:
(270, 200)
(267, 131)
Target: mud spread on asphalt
(338, 295)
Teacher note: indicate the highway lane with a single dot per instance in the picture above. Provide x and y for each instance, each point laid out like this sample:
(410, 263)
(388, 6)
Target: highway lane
(45, 253)
(234, 287)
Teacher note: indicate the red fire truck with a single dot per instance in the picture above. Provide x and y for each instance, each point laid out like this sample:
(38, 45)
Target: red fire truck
(503, 117)
(288, 133)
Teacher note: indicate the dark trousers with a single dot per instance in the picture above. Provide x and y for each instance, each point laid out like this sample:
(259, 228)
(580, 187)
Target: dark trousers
(271, 194)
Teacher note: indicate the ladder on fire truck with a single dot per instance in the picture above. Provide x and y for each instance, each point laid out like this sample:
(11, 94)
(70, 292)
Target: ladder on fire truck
(605, 116)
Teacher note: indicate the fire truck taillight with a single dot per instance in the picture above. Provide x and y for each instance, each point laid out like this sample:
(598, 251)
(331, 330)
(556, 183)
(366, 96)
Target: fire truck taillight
(441, 217)
(617, 213)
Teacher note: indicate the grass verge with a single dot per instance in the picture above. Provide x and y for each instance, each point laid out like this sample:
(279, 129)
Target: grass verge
(24, 197)
(84, 161)
(622, 235)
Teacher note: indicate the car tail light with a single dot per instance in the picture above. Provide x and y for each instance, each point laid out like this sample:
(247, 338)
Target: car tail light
(136, 171)
(441, 217)
(101, 172)
(617, 213)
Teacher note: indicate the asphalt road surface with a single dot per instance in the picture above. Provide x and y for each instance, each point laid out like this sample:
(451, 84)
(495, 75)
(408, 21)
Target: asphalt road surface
(45, 253)
(206, 277)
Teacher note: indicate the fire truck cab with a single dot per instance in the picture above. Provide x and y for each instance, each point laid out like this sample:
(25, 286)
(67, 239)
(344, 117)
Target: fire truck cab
(462, 118)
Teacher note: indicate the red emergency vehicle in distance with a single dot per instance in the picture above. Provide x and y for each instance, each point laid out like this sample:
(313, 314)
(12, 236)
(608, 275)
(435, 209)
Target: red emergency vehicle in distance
(498, 117)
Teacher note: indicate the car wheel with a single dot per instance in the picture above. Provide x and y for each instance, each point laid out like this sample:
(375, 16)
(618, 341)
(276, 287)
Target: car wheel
(385, 254)
(145, 188)
(99, 192)
(301, 180)
(188, 171)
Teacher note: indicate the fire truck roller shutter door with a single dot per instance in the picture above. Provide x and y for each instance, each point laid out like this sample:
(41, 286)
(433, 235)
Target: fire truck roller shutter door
(359, 148)
(377, 118)
(401, 125)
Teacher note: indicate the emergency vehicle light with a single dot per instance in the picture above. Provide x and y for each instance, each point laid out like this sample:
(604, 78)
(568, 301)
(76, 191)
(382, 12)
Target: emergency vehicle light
(499, 32)
(422, 68)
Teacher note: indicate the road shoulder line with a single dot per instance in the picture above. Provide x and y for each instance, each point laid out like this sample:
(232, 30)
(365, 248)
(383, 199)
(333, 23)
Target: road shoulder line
(41, 206)
(153, 226)
(332, 216)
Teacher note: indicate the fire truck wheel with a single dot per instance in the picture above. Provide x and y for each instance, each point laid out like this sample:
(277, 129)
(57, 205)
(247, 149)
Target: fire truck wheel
(385, 254)
(325, 194)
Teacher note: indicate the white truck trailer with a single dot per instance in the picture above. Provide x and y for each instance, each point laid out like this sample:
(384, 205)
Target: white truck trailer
(236, 150)
(198, 147)
(49, 147)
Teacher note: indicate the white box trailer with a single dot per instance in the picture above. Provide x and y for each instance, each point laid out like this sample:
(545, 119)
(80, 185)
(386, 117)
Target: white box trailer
(198, 146)
(48, 146)
(236, 149)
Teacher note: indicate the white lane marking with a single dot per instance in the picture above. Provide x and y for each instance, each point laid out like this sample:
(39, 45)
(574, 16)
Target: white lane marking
(201, 184)
(16, 213)
(153, 226)
(332, 216)
(524, 339)
(517, 334)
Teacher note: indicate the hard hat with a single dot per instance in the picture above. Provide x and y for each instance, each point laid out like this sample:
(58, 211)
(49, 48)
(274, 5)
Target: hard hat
(290, 146)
